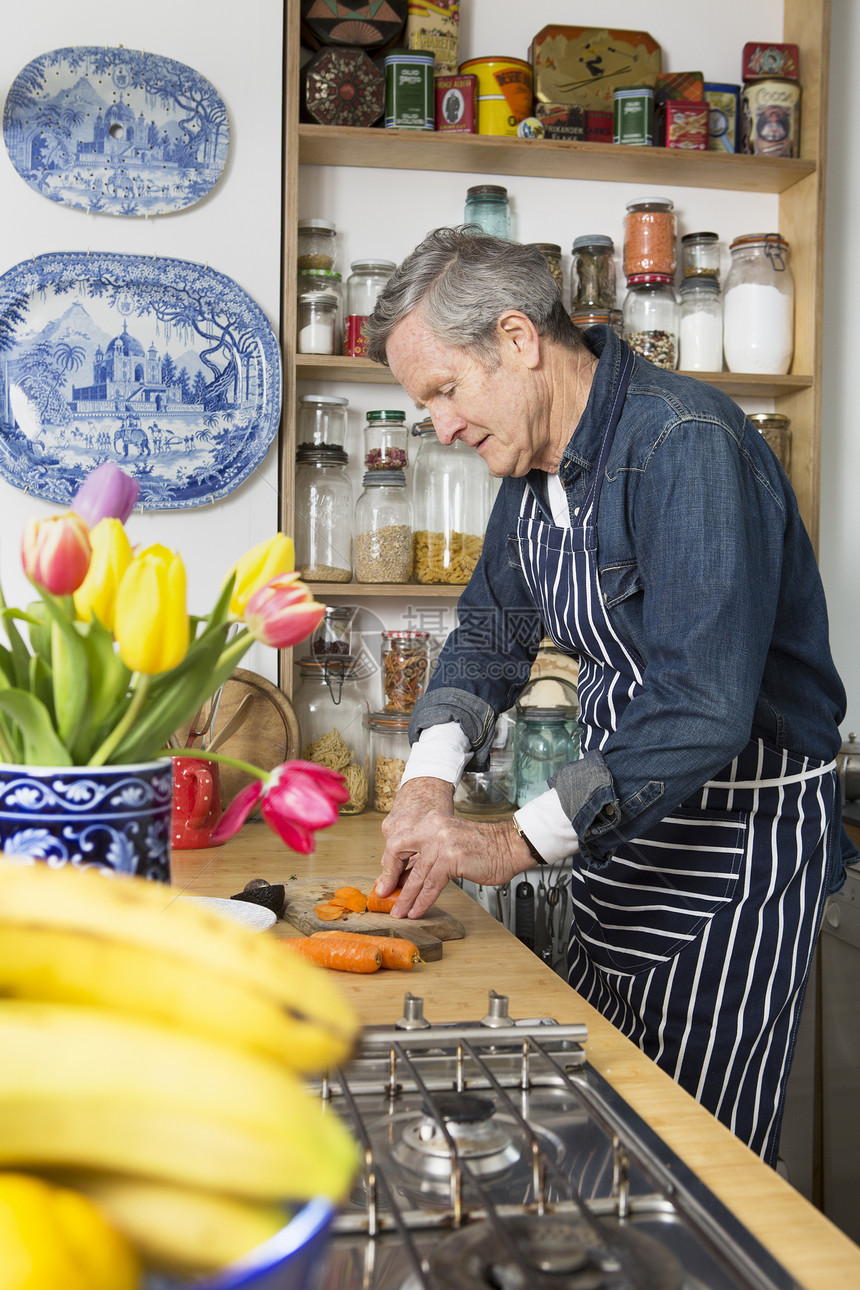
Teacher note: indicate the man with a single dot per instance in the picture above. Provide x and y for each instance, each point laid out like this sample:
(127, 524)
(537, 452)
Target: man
(647, 527)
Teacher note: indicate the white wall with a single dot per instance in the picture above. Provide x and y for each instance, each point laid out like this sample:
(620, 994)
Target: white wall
(235, 230)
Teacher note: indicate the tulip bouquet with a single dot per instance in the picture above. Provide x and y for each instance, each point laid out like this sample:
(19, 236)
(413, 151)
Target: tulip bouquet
(115, 663)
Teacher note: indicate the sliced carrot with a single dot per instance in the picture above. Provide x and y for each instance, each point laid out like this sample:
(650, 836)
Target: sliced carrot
(350, 898)
(349, 891)
(395, 950)
(382, 904)
(342, 951)
(328, 913)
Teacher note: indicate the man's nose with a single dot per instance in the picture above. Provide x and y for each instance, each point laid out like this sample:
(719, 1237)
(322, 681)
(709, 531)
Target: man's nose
(446, 423)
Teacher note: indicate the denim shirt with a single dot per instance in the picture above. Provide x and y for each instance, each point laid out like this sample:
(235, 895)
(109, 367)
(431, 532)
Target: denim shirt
(708, 575)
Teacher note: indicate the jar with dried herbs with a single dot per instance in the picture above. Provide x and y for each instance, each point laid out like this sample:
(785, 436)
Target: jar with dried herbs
(404, 668)
(331, 711)
(383, 529)
(592, 276)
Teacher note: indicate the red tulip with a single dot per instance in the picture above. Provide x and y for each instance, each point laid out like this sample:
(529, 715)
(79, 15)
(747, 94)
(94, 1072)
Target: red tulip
(298, 797)
(106, 493)
(283, 612)
(56, 552)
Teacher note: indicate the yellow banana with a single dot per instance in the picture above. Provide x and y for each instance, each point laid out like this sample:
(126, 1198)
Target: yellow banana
(227, 963)
(92, 1088)
(180, 1229)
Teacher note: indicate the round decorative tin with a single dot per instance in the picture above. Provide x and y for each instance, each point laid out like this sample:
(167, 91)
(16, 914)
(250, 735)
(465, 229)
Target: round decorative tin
(409, 90)
(770, 111)
(504, 93)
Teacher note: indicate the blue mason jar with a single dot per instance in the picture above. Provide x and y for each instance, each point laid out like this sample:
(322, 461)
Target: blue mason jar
(542, 745)
(487, 206)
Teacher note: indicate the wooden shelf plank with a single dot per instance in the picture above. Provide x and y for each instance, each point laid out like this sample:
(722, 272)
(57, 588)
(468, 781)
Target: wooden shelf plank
(402, 590)
(321, 145)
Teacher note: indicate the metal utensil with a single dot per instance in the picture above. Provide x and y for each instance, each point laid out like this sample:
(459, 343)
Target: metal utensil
(232, 724)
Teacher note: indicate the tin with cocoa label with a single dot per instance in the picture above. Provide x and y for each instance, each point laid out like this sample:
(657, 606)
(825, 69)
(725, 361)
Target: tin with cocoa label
(770, 114)
(457, 104)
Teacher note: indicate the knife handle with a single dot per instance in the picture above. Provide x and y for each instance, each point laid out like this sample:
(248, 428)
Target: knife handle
(525, 907)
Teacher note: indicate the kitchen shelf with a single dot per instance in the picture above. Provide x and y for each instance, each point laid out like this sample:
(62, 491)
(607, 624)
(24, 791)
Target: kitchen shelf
(421, 590)
(325, 367)
(322, 145)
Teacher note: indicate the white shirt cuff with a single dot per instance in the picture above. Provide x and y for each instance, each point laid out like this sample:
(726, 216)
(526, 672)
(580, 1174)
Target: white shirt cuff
(547, 827)
(440, 752)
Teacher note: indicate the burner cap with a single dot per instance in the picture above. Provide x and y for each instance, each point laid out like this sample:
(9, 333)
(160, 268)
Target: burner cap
(463, 1108)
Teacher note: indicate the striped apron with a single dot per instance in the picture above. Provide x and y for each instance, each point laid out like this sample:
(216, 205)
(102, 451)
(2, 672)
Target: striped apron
(696, 938)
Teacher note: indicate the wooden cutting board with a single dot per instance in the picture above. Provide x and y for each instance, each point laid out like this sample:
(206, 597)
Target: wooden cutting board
(427, 933)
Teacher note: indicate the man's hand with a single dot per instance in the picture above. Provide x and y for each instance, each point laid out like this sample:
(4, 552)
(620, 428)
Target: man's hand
(415, 800)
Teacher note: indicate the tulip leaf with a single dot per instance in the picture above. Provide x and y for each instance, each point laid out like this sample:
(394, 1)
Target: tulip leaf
(7, 667)
(68, 668)
(40, 743)
(39, 681)
(20, 653)
(109, 690)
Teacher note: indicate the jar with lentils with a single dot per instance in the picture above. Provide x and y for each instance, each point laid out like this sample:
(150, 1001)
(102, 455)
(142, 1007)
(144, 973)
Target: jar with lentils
(649, 236)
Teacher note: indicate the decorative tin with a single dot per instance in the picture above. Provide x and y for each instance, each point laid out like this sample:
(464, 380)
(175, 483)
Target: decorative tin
(584, 65)
(409, 90)
(686, 126)
(435, 29)
(633, 116)
(343, 87)
(598, 127)
(760, 62)
(504, 93)
(770, 113)
(678, 86)
(561, 121)
(724, 102)
(457, 104)
(352, 22)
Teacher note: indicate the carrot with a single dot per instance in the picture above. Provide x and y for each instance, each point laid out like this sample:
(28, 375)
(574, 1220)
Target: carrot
(382, 904)
(350, 898)
(343, 951)
(328, 913)
(396, 952)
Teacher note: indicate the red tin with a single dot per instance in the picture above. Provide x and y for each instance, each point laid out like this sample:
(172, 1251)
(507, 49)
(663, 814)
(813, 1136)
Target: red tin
(686, 125)
(598, 126)
(456, 101)
(762, 62)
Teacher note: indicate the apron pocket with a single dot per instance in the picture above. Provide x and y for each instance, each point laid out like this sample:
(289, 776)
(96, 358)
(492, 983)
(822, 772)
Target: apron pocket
(655, 895)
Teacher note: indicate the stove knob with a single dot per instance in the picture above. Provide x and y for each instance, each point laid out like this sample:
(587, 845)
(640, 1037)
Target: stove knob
(498, 1011)
(413, 1014)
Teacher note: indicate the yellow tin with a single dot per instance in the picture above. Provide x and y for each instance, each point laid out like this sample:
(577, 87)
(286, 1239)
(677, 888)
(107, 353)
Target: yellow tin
(504, 93)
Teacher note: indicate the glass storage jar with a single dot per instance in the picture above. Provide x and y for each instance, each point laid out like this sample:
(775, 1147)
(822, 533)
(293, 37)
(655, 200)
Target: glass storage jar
(650, 318)
(487, 206)
(385, 439)
(700, 325)
(389, 753)
(324, 510)
(452, 496)
(700, 255)
(321, 421)
(551, 252)
(585, 318)
(775, 429)
(363, 286)
(317, 244)
(383, 529)
(649, 236)
(331, 711)
(405, 659)
(333, 637)
(758, 306)
(592, 274)
(319, 312)
(542, 745)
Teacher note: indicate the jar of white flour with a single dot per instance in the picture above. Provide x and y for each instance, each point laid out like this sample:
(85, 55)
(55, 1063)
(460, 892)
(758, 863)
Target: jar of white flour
(758, 306)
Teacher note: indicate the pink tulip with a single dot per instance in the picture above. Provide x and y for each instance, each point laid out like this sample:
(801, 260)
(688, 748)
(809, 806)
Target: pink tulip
(106, 493)
(56, 552)
(283, 612)
(298, 797)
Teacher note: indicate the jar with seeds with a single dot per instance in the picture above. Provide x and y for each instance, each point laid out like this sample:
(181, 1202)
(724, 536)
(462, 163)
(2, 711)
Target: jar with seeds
(383, 529)
(650, 318)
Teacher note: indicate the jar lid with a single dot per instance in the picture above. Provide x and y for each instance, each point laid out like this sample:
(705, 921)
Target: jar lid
(769, 420)
(495, 58)
(759, 239)
(700, 237)
(636, 279)
(376, 478)
(388, 265)
(325, 275)
(600, 240)
(423, 427)
(408, 55)
(595, 317)
(702, 283)
(405, 636)
(486, 190)
(322, 454)
(658, 203)
(546, 248)
(634, 91)
(385, 414)
(346, 612)
(396, 722)
(324, 398)
(545, 714)
(318, 225)
(335, 665)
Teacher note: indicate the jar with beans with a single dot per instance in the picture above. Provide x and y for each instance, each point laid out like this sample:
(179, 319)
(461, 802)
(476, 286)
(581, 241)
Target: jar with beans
(650, 318)
(649, 236)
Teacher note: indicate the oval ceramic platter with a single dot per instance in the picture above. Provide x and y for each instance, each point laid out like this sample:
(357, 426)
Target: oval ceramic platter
(118, 131)
(161, 365)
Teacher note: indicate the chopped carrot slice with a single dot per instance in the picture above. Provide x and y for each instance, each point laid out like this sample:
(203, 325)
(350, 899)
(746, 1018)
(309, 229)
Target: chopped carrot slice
(350, 898)
(328, 913)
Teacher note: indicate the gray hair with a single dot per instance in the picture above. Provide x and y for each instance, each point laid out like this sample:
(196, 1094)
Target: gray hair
(462, 281)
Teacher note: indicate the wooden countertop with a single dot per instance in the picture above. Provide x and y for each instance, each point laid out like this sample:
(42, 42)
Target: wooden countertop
(456, 988)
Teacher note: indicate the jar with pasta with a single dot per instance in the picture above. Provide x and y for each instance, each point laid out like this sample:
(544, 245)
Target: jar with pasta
(452, 496)
(389, 752)
(331, 711)
(404, 668)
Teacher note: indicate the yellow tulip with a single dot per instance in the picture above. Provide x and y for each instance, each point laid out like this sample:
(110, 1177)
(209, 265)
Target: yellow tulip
(112, 554)
(257, 567)
(150, 615)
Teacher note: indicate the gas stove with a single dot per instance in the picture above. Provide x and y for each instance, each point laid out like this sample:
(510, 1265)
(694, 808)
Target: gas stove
(496, 1158)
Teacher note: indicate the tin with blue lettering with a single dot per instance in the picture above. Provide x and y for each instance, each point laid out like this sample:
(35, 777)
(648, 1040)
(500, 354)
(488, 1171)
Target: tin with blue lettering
(410, 94)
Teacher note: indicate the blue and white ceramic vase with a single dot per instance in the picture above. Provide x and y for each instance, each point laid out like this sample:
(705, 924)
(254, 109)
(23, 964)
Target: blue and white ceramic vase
(110, 817)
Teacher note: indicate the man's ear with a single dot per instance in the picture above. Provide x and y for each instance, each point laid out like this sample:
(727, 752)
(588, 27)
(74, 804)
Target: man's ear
(517, 332)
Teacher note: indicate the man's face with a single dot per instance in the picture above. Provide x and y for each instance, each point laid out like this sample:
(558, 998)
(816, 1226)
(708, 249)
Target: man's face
(495, 412)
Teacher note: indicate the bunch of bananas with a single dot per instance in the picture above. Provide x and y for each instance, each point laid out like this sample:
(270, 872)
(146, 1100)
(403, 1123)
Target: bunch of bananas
(153, 1055)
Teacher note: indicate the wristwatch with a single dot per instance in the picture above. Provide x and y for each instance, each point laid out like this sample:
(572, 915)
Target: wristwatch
(535, 854)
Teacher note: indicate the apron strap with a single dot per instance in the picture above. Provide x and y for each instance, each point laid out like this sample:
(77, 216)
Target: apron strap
(592, 496)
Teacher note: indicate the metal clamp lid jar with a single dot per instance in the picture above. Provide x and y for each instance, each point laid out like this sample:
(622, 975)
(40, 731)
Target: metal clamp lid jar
(758, 310)
(331, 711)
(649, 236)
(452, 496)
(592, 278)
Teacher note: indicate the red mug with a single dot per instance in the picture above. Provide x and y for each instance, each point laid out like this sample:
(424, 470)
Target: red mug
(196, 801)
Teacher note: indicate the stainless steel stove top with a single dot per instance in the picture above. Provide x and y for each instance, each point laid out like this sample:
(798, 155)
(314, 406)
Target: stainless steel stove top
(496, 1158)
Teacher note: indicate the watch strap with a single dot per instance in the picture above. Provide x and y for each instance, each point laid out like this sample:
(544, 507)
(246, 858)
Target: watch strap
(533, 851)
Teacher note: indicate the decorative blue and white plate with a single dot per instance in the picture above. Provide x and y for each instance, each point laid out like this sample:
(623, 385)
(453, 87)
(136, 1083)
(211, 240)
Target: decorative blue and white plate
(119, 131)
(161, 365)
